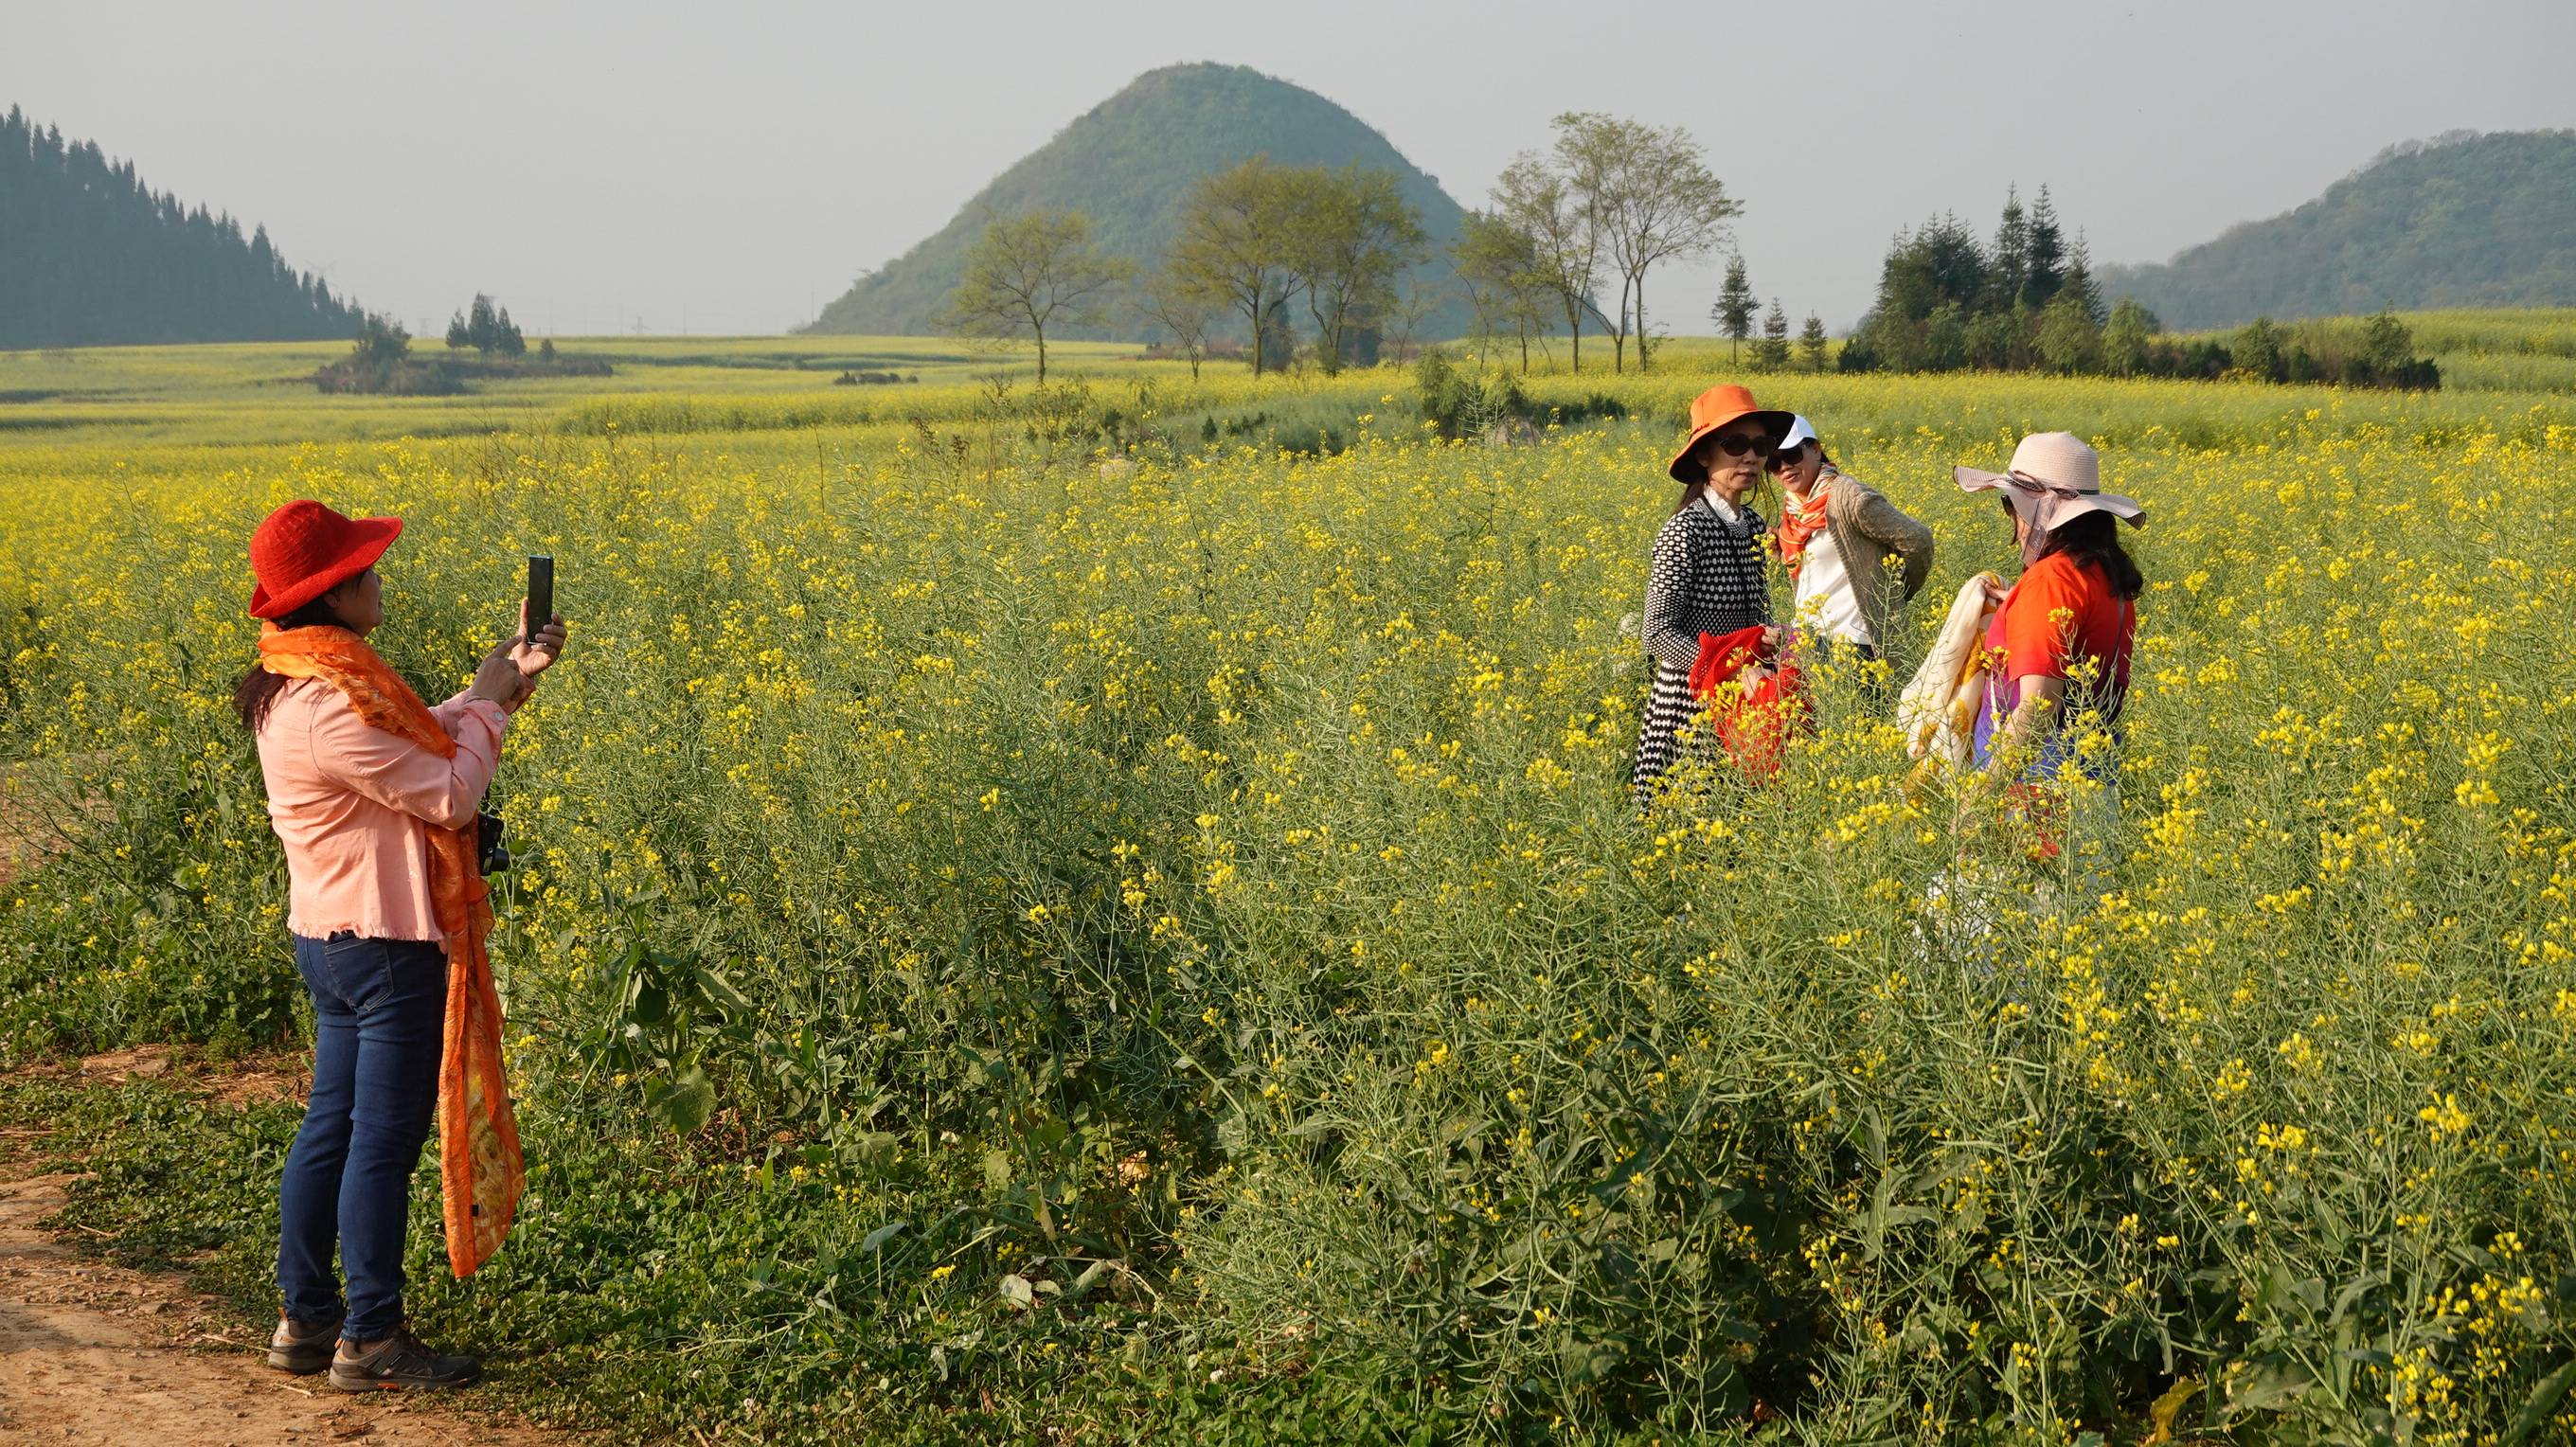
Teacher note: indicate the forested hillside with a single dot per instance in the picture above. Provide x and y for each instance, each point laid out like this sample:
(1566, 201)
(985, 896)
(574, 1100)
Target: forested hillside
(90, 254)
(2460, 221)
(1128, 164)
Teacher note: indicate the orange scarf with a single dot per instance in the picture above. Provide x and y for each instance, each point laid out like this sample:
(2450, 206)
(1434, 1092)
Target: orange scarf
(478, 1141)
(1801, 521)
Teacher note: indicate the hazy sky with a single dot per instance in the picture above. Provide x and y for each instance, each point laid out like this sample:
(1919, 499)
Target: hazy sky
(730, 168)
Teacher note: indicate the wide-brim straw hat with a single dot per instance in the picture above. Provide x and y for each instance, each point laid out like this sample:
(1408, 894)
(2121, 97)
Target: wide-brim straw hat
(304, 550)
(2054, 478)
(1715, 408)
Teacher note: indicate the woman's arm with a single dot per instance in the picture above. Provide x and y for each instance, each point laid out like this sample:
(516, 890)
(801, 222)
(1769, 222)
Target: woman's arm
(2035, 719)
(1898, 531)
(452, 713)
(403, 776)
(1666, 584)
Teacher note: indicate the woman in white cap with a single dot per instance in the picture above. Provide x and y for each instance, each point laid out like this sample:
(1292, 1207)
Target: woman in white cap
(1836, 536)
(2064, 630)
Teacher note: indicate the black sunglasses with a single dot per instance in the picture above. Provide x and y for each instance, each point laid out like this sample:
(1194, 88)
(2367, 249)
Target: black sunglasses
(1787, 456)
(1738, 445)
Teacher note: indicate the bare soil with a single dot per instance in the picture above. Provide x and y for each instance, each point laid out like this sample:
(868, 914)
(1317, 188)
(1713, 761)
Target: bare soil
(92, 1353)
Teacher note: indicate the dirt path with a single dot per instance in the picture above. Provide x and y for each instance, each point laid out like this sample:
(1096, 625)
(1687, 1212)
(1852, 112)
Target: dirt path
(92, 1353)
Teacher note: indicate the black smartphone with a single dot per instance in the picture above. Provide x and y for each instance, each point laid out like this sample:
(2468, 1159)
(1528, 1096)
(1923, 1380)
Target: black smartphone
(541, 594)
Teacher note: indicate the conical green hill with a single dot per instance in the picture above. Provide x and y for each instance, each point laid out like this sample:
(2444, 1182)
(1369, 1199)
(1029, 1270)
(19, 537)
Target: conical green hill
(1129, 163)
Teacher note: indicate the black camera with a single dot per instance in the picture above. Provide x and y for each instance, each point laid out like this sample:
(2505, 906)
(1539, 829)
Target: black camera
(490, 854)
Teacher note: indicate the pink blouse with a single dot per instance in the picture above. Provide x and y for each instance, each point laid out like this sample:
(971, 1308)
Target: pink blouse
(346, 798)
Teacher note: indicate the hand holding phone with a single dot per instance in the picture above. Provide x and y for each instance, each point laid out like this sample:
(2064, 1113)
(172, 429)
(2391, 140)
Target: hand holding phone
(540, 609)
(541, 634)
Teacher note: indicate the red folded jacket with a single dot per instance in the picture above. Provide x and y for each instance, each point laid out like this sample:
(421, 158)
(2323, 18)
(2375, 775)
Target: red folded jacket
(1753, 723)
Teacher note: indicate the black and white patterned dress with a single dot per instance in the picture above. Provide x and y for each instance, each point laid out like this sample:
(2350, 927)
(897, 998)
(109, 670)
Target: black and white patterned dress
(1708, 577)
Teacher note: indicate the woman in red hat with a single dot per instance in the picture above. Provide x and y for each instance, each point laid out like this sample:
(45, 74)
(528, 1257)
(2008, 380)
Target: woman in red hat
(1709, 573)
(373, 794)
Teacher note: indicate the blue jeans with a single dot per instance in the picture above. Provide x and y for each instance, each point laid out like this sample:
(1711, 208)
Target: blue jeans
(380, 1017)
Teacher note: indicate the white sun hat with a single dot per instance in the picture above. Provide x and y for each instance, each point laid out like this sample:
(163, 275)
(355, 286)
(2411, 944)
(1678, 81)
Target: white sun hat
(2055, 477)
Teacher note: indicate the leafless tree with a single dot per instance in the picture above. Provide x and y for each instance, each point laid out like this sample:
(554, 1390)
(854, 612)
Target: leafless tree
(1033, 271)
(1179, 313)
(1647, 195)
(1235, 248)
(1536, 199)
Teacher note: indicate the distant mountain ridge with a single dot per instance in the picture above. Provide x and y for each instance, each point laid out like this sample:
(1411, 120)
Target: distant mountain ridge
(2463, 220)
(89, 255)
(1129, 163)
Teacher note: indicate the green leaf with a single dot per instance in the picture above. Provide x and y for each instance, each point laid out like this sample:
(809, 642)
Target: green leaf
(684, 1102)
(2543, 1401)
(719, 989)
(1017, 1291)
(652, 1005)
(1590, 1361)
(2268, 1386)
(1093, 1272)
(875, 1240)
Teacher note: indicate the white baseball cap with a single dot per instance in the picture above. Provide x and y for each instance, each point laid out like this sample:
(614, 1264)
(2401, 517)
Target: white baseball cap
(1800, 431)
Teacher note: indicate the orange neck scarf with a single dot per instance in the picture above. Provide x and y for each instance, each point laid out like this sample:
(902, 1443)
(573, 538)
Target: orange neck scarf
(479, 1169)
(1801, 521)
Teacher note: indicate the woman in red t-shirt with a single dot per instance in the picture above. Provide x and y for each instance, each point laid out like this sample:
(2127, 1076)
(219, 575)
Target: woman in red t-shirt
(2060, 638)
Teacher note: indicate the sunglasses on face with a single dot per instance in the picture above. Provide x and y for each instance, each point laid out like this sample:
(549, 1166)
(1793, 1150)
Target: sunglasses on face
(1787, 457)
(1738, 445)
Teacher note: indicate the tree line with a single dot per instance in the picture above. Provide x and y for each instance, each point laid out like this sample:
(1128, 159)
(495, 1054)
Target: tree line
(381, 363)
(1267, 246)
(486, 327)
(1273, 253)
(95, 256)
(1733, 314)
(1946, 301)
(2028, 301)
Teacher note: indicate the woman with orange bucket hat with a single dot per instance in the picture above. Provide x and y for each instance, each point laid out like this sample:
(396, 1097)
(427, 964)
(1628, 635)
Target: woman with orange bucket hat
(1708, 575)
(375, 797)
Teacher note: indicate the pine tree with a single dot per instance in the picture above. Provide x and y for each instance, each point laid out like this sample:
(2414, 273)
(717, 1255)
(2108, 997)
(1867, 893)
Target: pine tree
(2079, 280)
(1811, 340)
(1773, 350)
(1734, 310)
(2009, 264)
(486, 327)
(2047, 254)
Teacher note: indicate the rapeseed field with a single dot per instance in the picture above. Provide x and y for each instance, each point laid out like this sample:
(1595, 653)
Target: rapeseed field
(1031, 919)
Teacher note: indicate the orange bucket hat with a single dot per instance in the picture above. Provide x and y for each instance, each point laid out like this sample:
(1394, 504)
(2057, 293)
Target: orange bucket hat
(1716, 407)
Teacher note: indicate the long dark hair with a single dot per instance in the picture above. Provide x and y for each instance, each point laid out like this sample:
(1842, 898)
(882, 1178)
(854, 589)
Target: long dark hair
(1695, 461)
(2094, 538)
(257, 692)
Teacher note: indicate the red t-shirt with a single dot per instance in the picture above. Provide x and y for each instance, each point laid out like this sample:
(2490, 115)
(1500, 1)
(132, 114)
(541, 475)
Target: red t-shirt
(2036, 642)
(2060, 614)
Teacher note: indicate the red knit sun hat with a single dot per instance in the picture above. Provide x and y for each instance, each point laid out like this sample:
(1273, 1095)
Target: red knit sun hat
(304, 550)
